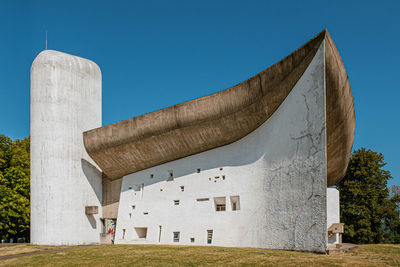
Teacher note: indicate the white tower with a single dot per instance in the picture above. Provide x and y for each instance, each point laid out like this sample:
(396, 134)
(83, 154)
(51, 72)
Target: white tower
(65, 102)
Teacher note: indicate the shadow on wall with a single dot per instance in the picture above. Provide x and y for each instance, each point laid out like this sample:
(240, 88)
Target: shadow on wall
(94, 177)
(92, 221)
(245, 151)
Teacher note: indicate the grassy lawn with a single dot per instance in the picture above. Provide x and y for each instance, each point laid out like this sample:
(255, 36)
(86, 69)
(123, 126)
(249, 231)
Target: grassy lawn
(147, 255)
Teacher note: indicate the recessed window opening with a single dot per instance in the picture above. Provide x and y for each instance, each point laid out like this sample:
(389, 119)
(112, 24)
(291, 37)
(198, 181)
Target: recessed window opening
(130, 215)
(130, 187)
(198, 170)
(141, 232)
(176, 202)
(216, 177)
(161, 189)
(223, 177)
(192, 240)
(235, 202)
(123, 233)
(145, 213)
(209, 179)
(151, 175)
(202, 199)
(182, 188)
(133, 207)
(220, 169)
(176, 236)
(209, 236)
(171, 176)
(220, 203)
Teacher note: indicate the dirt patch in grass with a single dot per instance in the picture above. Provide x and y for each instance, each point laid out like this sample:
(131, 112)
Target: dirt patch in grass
(22, 249)
(142, 255)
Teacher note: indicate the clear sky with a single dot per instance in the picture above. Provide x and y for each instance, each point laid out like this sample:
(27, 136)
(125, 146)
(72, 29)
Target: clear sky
(155, 54)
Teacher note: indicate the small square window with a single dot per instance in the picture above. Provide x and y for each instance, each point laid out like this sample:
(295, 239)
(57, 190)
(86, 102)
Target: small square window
(220, 169)
(176, 236)
(141, 232)
(220, 203)
(198, 170)
(223, 177)
(151, 175)
(192, 240)
(182, 188)
(176, 202)
(133, 207)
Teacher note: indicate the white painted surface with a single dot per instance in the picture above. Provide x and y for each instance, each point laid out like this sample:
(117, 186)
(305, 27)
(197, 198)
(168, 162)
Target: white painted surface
(333, 212)
(279, 172)
(65, 101)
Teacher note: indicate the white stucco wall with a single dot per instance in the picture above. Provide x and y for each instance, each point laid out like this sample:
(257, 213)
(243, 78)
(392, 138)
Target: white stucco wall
(65, 101)
(279, 172)
(333, 211)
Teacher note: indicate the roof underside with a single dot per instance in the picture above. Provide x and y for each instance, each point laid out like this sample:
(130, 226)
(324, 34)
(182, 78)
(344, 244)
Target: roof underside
(225, 117)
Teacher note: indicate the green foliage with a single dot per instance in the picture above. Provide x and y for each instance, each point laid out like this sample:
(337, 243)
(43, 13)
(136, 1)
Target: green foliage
(369, 214)
(14, 187)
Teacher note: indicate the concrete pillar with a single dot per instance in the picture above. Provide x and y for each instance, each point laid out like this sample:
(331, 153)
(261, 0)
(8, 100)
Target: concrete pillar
(65, 101)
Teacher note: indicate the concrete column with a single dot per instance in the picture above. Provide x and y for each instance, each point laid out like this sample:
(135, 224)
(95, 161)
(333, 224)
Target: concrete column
(65, 101)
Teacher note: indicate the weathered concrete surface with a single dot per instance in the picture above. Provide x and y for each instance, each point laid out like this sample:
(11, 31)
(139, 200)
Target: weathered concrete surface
(65, 101)
(111, 194)
(278, 171)
(225, 117)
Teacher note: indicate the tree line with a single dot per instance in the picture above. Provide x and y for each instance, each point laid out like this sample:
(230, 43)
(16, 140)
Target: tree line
(370, 213)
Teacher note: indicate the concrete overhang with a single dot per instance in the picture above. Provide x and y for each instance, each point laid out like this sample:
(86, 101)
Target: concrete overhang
(224, 117)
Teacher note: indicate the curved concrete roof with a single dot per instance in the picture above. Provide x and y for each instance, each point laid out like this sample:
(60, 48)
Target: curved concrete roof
(225, 117)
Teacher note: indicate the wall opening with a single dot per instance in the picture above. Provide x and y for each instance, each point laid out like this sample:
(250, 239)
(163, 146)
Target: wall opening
(133, 207)
(176, 202)
(151, 175)
(202, 199)
(171, 175)
(176, 236)
(141, 232)
(182, 188)
(209, 236)
(220, 203)
(198, 170)
(192, 240)
(159, 234)
(123, 233)
(235, 202)
(145, 213)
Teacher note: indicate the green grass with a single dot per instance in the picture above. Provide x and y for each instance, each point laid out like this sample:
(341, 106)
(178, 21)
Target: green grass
(146, 255)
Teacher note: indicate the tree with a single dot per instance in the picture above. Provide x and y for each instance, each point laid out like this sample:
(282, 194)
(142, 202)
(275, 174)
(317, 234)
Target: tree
(369, 213)
(14, 187)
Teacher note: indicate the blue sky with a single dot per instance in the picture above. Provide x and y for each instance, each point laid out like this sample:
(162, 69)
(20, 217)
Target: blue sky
(155, 54)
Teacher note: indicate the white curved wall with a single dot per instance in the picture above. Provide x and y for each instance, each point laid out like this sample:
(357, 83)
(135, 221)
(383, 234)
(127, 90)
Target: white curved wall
(65, 101)
(279, 172)
(333, 212)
